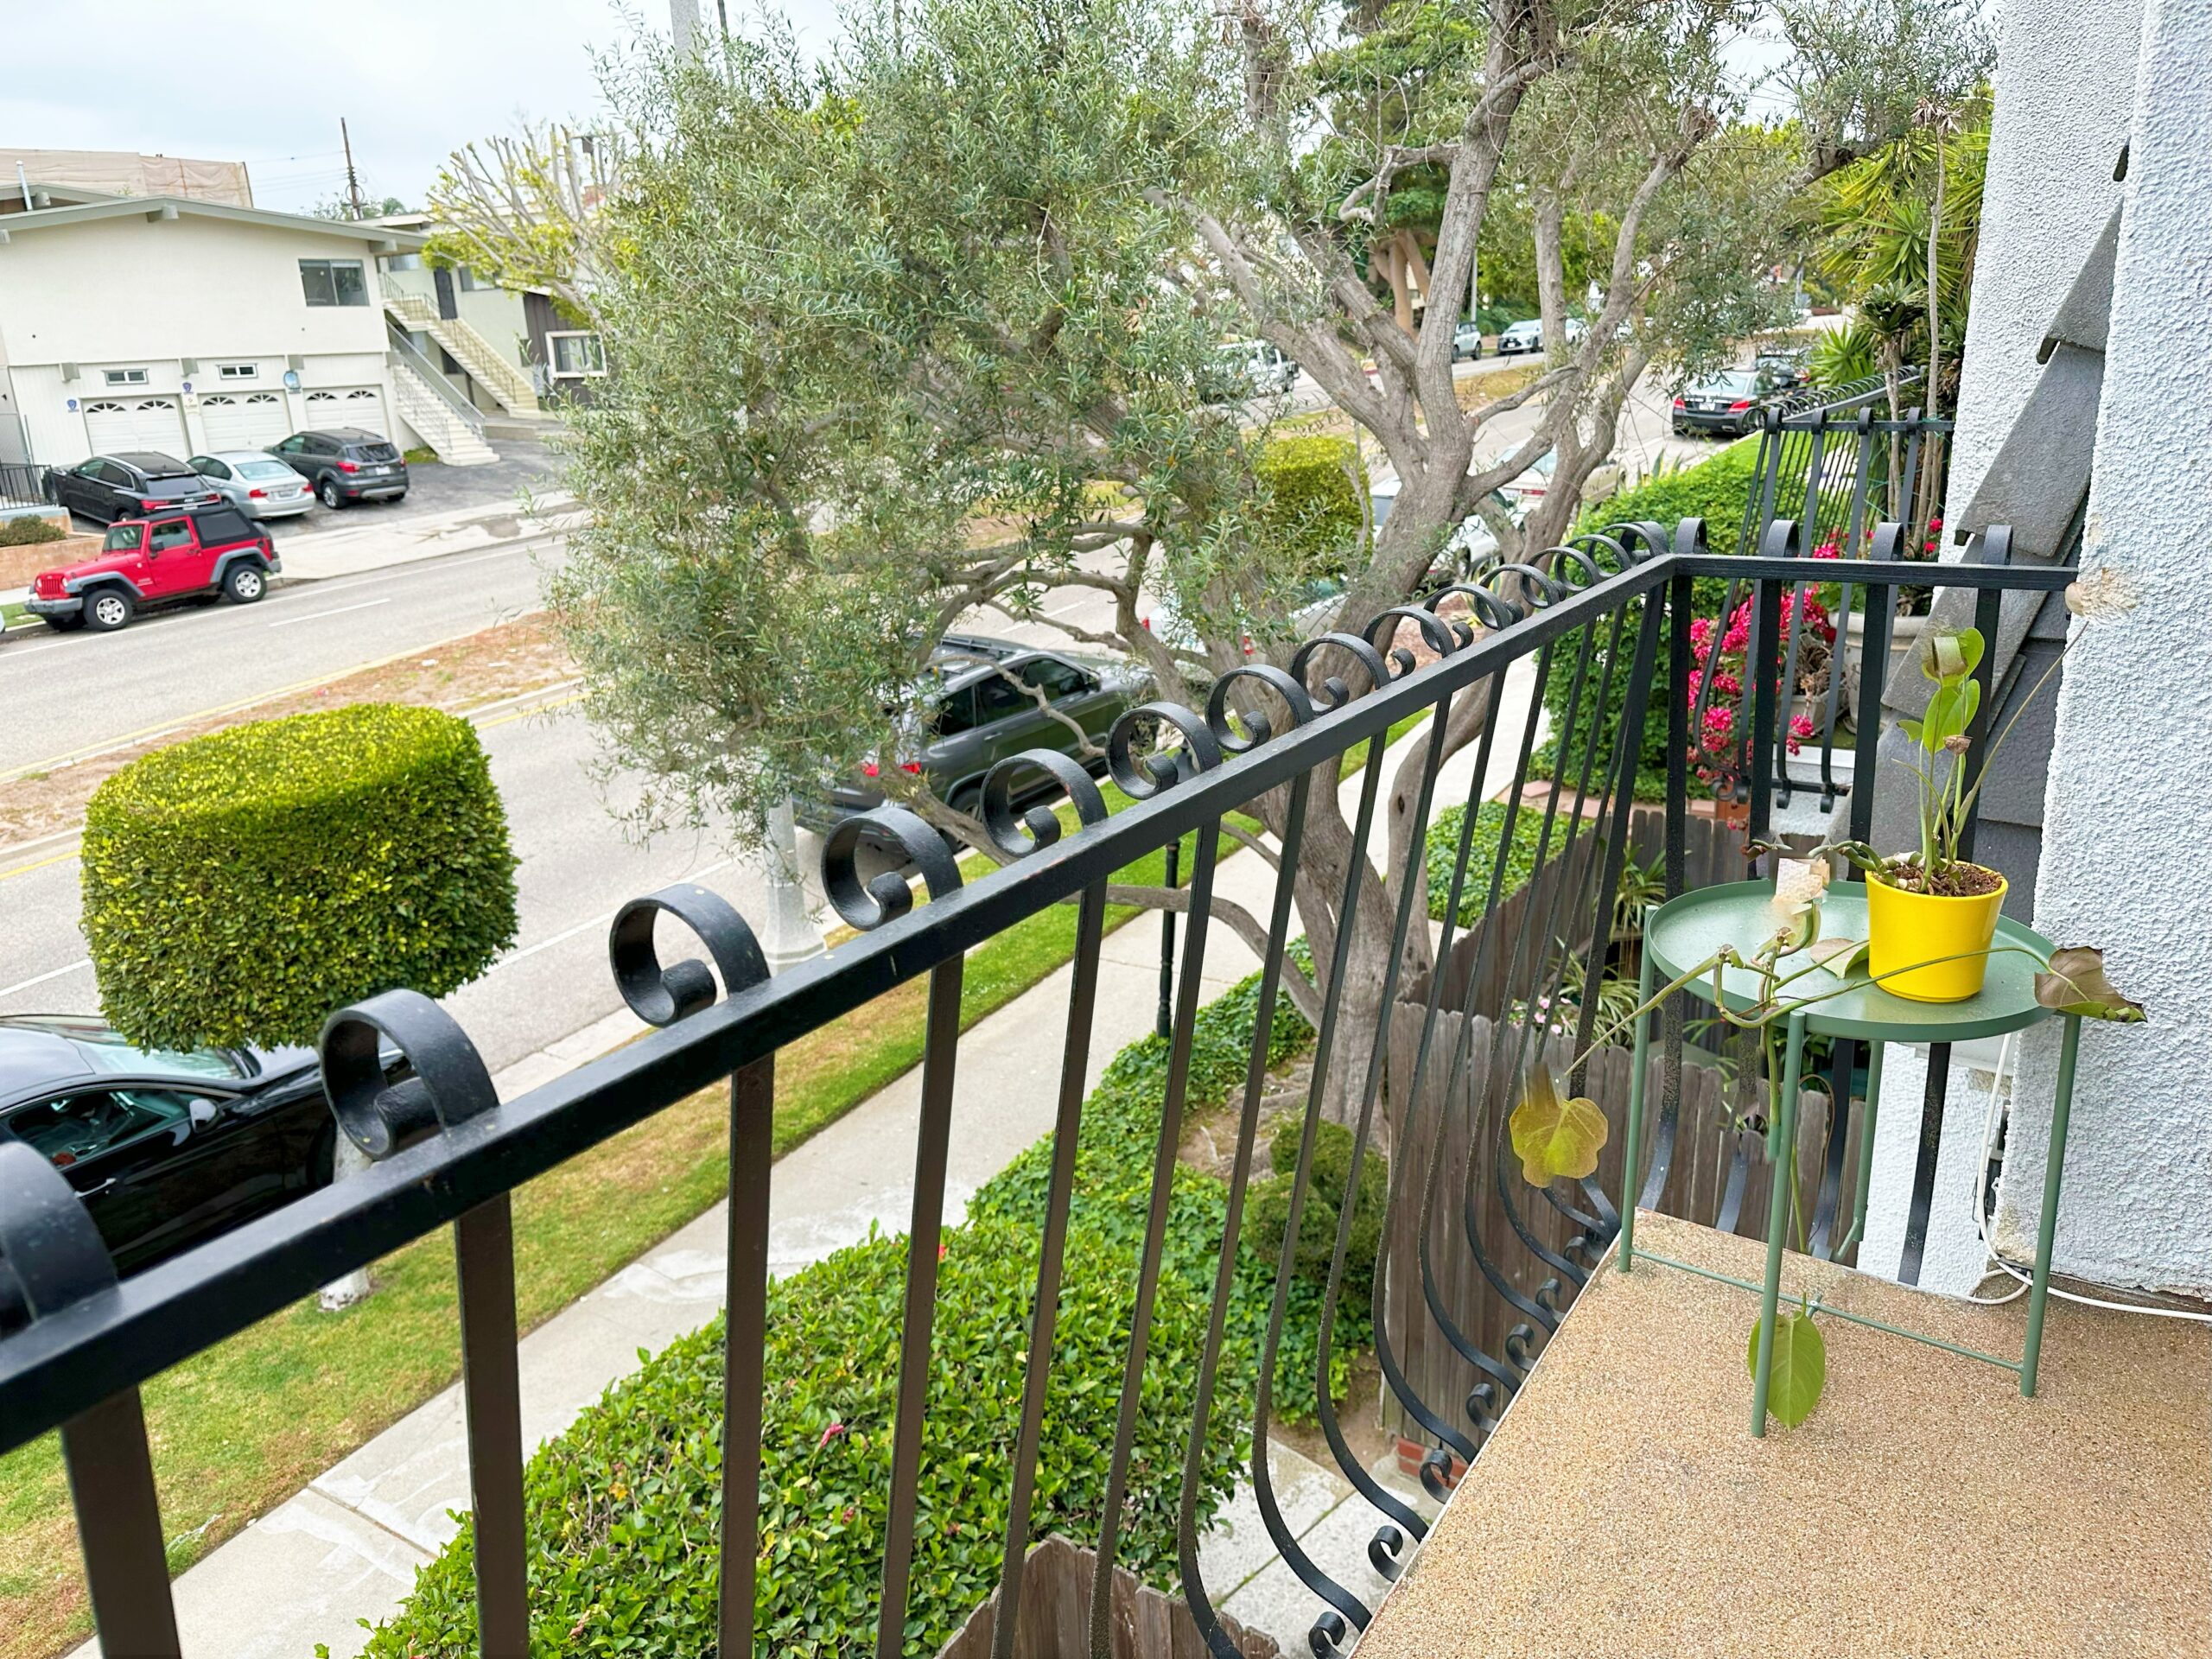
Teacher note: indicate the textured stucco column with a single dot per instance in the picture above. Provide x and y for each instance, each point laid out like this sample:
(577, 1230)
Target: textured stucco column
(2127, 835)
(2063, 84)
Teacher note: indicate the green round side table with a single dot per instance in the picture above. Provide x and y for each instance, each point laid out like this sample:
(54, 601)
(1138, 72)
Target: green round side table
(1687, 930)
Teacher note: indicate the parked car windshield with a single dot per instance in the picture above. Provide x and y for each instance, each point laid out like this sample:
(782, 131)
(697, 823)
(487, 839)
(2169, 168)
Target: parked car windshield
(123, 538)
(262, 469)
(373, 452)
(104, 1051)
(1736, 383)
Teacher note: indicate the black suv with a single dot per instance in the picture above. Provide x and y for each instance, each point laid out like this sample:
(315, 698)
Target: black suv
(130, 486)
(982, 700)
(345, 465)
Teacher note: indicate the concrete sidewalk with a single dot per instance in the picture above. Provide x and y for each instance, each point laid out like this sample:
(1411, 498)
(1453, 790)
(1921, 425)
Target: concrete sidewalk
(347, 1546)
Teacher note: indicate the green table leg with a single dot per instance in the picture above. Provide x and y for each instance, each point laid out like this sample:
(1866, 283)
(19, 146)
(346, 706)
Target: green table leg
(2062, 1107)
(1784, 1164)
(1866, 1120)
(1631, 1152)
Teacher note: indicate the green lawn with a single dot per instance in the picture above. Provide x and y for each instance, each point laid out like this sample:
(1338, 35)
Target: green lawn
(241, 1426)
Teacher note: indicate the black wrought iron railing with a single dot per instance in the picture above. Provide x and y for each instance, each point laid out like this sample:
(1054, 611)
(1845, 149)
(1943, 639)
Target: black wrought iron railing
(21, 484)
(1532, 942)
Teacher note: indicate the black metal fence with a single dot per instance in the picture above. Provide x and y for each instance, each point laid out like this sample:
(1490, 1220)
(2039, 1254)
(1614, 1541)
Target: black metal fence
(75, 1343)
(21, 484)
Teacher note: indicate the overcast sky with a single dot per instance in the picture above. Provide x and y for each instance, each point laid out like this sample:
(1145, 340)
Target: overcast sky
(265, 81)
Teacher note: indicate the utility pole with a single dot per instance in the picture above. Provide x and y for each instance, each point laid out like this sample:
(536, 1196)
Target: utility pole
(683, 24)
(353, 179)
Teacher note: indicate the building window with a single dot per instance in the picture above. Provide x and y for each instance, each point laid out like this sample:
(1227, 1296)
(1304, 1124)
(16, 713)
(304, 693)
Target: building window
(334, 281)
(236, 370)
(467, 279)
(124, 377)
(404, 261)
(575, 354)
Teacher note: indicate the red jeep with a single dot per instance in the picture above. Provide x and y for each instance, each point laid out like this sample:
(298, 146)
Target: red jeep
(150, 561)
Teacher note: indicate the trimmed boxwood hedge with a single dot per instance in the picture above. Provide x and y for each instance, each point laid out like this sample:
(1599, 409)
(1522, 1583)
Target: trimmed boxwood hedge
(1312, 503)
(240, 887)
(623, 1509)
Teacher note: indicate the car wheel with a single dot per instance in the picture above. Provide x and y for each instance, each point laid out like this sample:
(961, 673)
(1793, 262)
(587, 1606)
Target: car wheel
(245, 583)
(327, 490)
(109, 609)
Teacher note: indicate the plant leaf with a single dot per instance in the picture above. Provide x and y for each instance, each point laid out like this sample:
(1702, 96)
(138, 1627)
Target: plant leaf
(1838, 957)
(2076, 983)
(1801, 1366)
(1554, 1137)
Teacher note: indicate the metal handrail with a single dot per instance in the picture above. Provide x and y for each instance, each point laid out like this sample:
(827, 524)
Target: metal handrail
(481, 359)
(78, 1341)
(407, 352)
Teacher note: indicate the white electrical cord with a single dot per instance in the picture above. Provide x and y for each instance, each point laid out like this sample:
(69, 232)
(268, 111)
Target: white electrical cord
(1997, 1264)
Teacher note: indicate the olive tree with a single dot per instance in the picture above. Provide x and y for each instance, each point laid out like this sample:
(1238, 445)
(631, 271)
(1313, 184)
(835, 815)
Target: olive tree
(932, 329)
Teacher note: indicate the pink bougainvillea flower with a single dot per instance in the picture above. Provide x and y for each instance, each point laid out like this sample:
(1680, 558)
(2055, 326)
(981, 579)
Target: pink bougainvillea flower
(829, 1434)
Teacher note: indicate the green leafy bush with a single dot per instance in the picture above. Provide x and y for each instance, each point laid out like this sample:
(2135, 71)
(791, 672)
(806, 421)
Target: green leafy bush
(1267, 1207)
(1312, 503)
(623, 1509)
(1719, 490)
(1442, 849)
(240, 887)
(29, 532)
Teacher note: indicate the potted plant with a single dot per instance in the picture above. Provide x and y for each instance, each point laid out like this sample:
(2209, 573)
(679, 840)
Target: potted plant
(1932, 912)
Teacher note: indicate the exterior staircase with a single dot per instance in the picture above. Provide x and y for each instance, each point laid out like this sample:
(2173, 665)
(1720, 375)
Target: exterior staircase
(439, 415)
(509, 385)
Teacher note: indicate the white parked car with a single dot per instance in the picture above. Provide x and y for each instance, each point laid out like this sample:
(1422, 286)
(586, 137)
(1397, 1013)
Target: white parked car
(1467, 340)
(1529, 336)
(1253, 368)
(255, 482)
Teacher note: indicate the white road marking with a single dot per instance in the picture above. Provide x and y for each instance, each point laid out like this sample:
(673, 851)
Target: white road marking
(41, 979)
(568, 933)
(317, 616)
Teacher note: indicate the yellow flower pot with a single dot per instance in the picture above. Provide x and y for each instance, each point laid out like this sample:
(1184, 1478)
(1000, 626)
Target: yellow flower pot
(1909, 929)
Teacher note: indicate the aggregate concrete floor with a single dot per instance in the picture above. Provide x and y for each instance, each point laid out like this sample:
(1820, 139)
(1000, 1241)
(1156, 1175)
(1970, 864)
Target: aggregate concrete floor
(1623, 1510)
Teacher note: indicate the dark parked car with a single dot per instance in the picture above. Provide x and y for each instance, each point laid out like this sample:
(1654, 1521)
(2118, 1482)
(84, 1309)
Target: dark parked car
(129, 486)
(345, 465)
(165, 1149)
(986, 699)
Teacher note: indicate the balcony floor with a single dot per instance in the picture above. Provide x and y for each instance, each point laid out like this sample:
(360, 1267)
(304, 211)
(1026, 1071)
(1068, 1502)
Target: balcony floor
(1925, 1509)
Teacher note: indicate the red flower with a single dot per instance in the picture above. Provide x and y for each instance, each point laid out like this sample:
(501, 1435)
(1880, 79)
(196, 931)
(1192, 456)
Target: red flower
(829, 1434)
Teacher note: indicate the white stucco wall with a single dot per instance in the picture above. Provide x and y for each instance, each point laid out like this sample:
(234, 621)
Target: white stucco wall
(2064, 88)
(2064, 85)
(2128, 813)
(129, 293)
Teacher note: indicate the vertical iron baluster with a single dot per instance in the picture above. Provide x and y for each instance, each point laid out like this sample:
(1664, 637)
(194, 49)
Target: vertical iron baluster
(1155, 1232)
(119, 1527)
(1850, 549)
(940, 1046)
(1780, 542)
(745, 1324)
(1344, 1603)
(1873, 677)
(484, 1261)
(1987, 613)
(1809, 531)
(1256, 1072)
(1829, 1200)
(1075, 1063)
(1911, 510)
(1923, 1169)
(1682, 611)
(1378, 1054)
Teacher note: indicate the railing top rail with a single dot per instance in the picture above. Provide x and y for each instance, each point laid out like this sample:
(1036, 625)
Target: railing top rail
(440, 389)
(154, 1320)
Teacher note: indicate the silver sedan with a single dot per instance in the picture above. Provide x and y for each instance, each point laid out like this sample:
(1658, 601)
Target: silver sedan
(255, 482)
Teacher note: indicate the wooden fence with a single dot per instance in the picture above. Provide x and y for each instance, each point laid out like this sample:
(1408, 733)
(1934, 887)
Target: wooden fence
(1719, 1174)
(1055, 1619)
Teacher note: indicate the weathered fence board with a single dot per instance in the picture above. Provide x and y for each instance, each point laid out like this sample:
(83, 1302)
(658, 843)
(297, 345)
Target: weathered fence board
(1055, 1619)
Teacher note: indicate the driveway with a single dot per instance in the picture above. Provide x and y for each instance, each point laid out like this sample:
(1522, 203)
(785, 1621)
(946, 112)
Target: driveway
(434, 488)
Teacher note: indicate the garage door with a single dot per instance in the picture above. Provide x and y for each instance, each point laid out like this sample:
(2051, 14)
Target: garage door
(245, 420)
(361, 406)
(114, 425)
